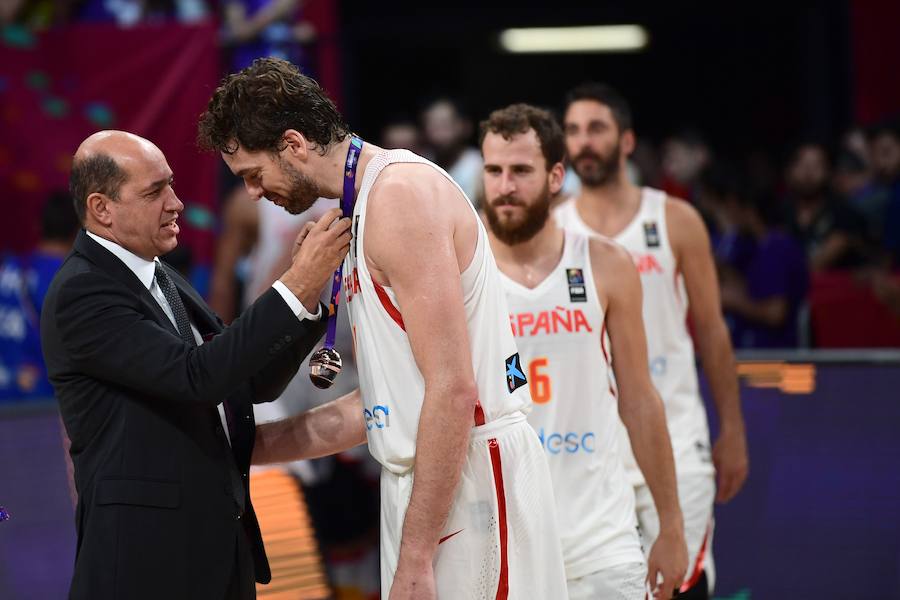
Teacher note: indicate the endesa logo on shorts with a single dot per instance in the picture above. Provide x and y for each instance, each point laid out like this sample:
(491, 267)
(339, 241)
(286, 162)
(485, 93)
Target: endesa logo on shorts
(377, 418)
(567, 443)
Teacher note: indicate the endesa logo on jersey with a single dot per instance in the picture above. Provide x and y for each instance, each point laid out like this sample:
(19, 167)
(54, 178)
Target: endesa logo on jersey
(567, 443)
(558, 320)
(377, 418)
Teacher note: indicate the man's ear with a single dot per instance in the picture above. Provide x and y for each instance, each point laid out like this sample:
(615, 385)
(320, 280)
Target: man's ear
(628, 142)
(296, 144)
(555, 180)
(97, 208)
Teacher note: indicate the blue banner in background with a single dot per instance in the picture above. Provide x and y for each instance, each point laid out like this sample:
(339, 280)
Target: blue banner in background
(819, 516)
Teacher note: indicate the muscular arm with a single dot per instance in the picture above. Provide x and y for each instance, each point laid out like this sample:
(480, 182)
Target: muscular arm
(691, 245)
(640, 406)
(427, 286)
(106, 335)
(239, 232)
(324, 430)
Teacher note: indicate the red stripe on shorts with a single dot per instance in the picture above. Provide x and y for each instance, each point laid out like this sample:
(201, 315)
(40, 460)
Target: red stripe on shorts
(698, 566)
(392, 310)
(503, 583)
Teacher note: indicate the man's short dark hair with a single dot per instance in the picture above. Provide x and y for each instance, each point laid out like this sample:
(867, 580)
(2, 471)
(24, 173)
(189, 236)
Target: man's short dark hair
(98, 173)
(517, 119)
(254, 107)
(59, 222)
(606, 95)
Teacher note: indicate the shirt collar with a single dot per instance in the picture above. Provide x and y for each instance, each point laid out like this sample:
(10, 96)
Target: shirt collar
(145, 270)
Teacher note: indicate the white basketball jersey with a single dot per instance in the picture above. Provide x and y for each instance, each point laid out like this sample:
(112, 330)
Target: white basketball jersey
(669, 345)
(560, 330)
(391, 384)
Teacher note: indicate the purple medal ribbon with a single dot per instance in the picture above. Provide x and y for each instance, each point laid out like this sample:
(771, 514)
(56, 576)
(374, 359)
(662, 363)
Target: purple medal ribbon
(325, 363)
(347, 201)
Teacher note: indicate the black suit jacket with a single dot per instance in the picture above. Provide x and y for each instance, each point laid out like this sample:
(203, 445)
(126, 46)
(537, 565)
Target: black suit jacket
(160, 507)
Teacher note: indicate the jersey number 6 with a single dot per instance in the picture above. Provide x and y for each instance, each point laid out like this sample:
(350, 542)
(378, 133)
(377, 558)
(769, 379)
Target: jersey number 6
(539, 382)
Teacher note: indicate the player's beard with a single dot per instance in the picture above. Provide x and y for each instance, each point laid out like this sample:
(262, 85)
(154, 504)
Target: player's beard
(303, 191)
(512, 233)
(600, 170)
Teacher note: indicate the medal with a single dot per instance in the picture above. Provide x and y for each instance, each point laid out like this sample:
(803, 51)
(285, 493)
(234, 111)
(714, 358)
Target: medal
(325, 363)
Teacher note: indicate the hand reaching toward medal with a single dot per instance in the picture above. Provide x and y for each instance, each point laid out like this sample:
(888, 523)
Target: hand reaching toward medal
(318, 251)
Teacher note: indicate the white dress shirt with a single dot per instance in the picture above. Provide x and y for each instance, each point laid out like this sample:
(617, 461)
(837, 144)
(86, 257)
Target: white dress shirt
(145, 270)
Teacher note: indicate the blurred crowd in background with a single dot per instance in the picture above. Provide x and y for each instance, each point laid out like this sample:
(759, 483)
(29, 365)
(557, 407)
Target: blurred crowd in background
(807, 239)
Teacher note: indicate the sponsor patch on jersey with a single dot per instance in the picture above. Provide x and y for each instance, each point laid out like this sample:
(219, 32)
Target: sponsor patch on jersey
(575, 276)
(515, 377)
(651, 235)
(577, 291)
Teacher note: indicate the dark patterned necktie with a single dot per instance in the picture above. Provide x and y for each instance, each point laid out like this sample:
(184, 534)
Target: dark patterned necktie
(175, 303)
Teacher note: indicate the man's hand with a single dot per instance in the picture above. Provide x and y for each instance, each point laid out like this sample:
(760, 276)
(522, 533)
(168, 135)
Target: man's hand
(319, 249)
(413, 581)
(730, 458)
(669, 559)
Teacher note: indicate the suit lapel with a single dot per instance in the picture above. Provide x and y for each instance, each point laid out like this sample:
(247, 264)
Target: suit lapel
(111, 265)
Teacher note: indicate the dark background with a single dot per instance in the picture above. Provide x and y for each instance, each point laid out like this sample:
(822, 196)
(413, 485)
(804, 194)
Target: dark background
(750, 75)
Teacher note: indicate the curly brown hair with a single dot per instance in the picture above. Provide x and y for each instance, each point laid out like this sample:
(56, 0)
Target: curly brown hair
(516, 119)
(254, 107)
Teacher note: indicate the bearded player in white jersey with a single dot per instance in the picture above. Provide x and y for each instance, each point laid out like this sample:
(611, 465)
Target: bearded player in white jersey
(575, 311)
(467, 509)
(671, 249)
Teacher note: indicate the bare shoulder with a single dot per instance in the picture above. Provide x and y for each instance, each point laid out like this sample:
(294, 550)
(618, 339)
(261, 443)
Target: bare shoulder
(408, 206)
(685, 225)
(410, 188)
(609, 257)
(614, 272)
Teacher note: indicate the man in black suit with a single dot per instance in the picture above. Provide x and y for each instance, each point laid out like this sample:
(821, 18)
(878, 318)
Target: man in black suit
(139, 365)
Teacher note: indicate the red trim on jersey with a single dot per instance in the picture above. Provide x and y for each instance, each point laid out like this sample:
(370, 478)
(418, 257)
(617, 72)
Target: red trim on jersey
(698, 565)
(503, 583)
(603, 342)
(605, 353)
(479, 414)
(392, 310)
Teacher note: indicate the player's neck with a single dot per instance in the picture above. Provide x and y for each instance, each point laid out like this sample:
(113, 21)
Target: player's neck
(335, 162)
(608, 207)
(530, 262)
